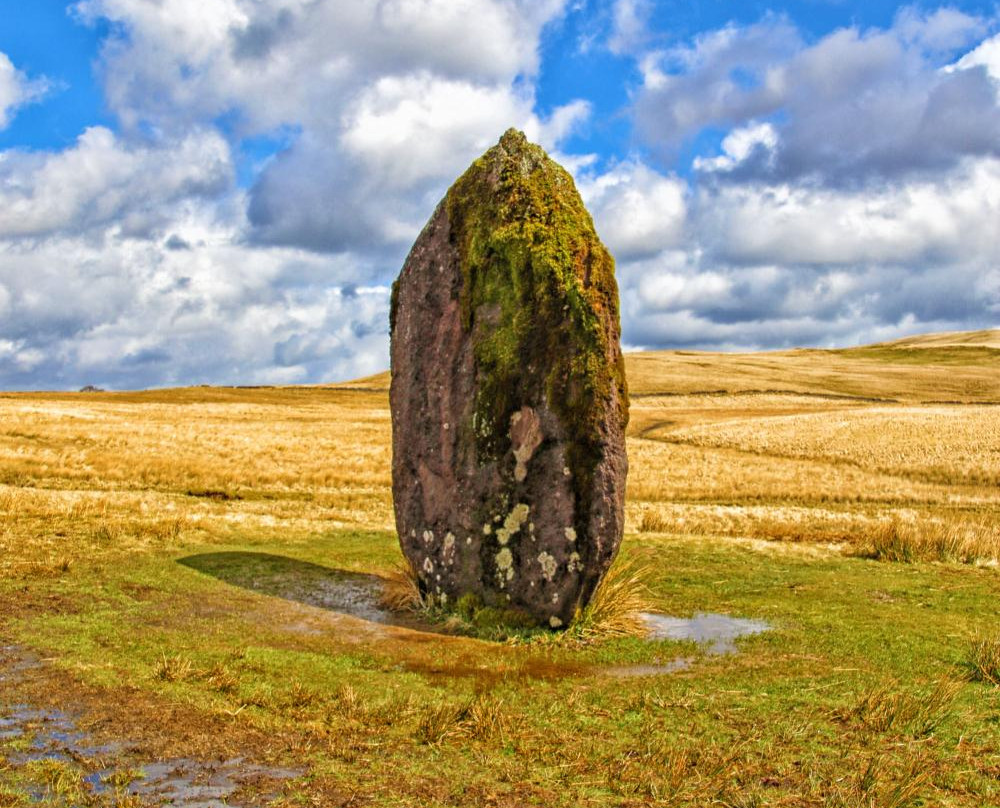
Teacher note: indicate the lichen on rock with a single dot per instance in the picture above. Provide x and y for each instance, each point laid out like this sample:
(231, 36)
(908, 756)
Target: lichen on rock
(508, 389)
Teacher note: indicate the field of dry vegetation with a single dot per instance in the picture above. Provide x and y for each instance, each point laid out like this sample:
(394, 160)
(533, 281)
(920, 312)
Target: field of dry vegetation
(171, 563)
(889, 450)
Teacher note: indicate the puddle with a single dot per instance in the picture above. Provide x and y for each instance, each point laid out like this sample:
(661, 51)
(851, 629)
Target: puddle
(716, 631)
(32, 734)
(196, 784)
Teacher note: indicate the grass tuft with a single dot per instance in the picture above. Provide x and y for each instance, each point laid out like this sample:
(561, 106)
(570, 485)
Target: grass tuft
(614, 610)
(983, 660)
(654, 522)
(173, 669)
(401, 591)
(916, 715)
(484, 718)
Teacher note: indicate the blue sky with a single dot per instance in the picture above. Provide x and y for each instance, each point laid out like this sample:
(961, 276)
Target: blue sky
(221, 191)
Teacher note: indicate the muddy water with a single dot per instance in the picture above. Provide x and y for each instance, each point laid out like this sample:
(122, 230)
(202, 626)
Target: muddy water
(29, 734)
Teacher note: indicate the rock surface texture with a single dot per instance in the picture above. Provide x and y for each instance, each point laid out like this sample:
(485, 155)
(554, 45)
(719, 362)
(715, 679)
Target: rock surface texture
(508, 393)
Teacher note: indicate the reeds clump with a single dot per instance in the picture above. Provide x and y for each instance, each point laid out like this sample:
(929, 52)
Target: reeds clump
(616, 608)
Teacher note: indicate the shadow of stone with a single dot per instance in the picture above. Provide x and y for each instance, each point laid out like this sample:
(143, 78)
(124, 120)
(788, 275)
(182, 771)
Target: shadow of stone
(352, 593)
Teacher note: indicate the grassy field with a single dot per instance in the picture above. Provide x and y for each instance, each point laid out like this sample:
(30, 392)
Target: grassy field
(167, 560)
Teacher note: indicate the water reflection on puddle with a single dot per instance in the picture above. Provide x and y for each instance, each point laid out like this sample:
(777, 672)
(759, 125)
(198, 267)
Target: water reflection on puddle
(716, 631)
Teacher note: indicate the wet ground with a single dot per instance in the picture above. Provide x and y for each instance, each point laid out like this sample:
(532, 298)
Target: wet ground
(353, 593)
(33, 741)
(358, 594)
(109, 772)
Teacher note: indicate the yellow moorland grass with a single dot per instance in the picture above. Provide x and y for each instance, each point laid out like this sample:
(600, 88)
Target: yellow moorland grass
(822, 446)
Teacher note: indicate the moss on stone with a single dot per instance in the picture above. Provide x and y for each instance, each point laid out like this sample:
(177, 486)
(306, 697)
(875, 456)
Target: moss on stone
(536, 279)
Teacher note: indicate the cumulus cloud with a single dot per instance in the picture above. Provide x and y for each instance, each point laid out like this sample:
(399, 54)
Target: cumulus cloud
(392, 98)
(16, 90)
(125, 254)
(856, 106)
(127, 312)
(101, 181)
(637, 211)
(769, 265)
(629, 28)
(832, 190)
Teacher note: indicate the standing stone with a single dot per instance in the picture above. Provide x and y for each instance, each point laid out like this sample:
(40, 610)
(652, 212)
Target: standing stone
(508, 394)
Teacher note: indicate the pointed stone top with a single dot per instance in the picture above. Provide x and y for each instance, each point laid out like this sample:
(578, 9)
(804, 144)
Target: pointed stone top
(513, 140)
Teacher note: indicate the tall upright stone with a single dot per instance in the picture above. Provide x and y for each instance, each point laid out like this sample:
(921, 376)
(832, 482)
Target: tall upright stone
(508, 394)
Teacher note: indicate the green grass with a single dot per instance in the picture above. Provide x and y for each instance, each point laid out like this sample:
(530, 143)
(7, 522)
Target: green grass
(858, 696)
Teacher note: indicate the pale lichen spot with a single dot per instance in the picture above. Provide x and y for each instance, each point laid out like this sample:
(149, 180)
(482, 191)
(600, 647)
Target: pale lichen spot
(555, 622)
(574, 565)
(428, 536)
(512, 524)
(505, 559)
(449, 542)
(555, 597)
(428, 565)
(487, 529)
(570, 534)
(566, 471)
(548, 565)
(469, 540)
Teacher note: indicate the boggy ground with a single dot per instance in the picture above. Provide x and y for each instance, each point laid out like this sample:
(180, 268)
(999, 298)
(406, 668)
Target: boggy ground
(179, 569)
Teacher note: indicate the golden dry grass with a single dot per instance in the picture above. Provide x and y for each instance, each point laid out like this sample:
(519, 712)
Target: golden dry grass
(616, 607)
(820, 446)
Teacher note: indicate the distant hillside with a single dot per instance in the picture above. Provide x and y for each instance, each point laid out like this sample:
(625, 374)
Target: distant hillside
(958, 366)
(967, 339)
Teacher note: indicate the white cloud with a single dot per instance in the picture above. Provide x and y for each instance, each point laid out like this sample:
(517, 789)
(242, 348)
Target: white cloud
(853, 195)
(739, 145)
(854, 106)
(637, 211)
(912, 223)
(16, 90)
(986, 55)
(102, 181)
(629, 27)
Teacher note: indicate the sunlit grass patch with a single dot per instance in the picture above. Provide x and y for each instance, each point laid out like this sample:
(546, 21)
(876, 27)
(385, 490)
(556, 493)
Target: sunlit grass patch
(61, 780)
(909, 541)
(177, 668)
